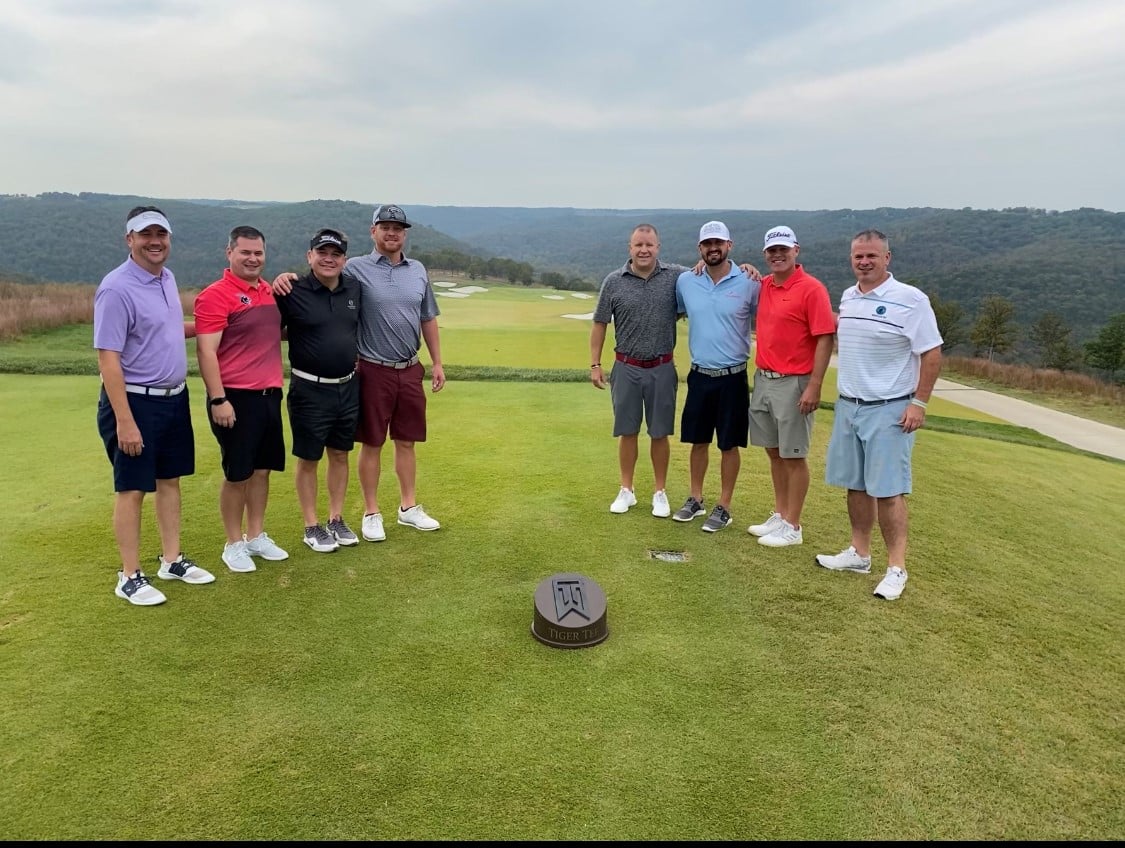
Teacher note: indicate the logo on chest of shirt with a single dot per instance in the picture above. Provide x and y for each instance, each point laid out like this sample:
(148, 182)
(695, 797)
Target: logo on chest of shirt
(244, 299)
(880, 310)
(352, 304)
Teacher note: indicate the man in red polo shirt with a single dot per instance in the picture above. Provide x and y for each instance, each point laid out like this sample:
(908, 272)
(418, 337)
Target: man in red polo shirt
(794, 345)
(238, 342)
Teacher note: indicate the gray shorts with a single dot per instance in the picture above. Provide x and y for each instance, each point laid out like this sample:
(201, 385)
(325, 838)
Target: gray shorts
(647, 392)
(869, 451)
(775, 417)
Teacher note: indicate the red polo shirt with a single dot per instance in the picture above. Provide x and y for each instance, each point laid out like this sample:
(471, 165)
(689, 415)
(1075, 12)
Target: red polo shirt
(790, 317)
(247, 316)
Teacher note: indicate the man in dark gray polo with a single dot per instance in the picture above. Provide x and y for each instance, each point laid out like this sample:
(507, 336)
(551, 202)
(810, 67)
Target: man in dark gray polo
(398, 312)
(640, 300)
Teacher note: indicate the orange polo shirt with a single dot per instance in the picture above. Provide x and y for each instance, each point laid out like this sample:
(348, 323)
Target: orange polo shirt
(790, 317)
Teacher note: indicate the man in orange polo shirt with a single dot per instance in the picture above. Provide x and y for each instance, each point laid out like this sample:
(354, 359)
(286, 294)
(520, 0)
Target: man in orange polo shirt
(794, 345)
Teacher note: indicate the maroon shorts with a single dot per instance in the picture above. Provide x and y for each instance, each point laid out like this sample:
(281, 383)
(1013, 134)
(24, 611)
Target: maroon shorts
(394, 398)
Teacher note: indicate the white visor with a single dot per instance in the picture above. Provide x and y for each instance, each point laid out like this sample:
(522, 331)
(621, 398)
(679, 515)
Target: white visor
(146, 219)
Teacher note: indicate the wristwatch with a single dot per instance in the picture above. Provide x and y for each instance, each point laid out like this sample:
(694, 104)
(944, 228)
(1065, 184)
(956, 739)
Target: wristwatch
(217, 401)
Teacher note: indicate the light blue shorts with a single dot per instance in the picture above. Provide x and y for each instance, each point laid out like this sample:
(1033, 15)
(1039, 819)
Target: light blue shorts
(869, 451)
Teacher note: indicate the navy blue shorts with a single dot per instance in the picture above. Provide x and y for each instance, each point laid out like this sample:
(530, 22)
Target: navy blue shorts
(169, 442)
(256, 441)
(716, 405)
(322, 415)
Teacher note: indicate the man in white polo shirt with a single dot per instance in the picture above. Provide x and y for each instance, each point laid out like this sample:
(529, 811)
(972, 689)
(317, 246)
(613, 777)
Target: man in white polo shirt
(889, 359)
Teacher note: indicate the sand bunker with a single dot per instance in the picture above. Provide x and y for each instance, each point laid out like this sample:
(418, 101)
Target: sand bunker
(553, 297)
(587, 317)
(451, 294)
(469, 289)
(581, 295)
(443, 284)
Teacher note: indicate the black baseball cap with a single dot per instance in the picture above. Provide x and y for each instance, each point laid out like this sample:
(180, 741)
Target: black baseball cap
(388, 212)
(324, 238)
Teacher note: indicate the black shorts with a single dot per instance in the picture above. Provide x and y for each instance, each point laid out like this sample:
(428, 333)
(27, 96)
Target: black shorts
(716, 405)
(322, 415)
(256, 441)
(169, 442)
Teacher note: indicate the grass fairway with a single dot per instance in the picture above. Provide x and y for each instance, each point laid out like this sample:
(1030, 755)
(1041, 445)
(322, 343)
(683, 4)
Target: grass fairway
(393, 691)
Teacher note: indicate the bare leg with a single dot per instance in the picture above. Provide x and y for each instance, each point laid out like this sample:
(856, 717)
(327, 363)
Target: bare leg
(780, 481)
(369, 468)
(127, 529)
(861, 513)
(406, 467)
(337, 481)
(305, 478)
(698, 465)
(627, 459)
(232, 504)
(796, 488)
(168, 517)
(893, 522)
(730, 463)
(661, 452)
(257, 495)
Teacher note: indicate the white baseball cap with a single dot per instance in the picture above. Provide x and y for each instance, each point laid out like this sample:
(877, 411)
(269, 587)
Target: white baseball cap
(780, 236)
(714, 230)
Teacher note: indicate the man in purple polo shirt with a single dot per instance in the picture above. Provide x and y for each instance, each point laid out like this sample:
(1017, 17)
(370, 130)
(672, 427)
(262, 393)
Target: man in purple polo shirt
(143, 413)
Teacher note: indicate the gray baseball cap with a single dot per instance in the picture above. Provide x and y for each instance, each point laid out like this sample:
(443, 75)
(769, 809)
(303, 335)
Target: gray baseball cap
(390, 213)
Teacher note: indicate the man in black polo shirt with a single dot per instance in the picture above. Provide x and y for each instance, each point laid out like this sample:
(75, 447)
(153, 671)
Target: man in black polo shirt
(321, 315)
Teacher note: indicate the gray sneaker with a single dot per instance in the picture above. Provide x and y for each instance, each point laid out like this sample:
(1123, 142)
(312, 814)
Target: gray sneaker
(342, 533)
(319, 539)
(717, 520)
(689, 510)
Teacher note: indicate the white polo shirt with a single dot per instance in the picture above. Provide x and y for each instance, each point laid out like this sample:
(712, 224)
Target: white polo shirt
(881, 336)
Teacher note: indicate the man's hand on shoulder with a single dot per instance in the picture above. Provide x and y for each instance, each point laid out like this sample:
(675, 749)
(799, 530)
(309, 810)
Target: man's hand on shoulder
(283, 283)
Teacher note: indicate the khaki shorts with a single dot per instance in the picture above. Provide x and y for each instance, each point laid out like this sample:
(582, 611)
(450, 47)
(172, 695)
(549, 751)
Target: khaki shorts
(775, 416)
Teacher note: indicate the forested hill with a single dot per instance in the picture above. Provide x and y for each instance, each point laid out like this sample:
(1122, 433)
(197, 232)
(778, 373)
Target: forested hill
(78, 238)
(1071, 263)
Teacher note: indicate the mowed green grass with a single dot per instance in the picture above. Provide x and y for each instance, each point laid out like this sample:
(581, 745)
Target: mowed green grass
(393, 691)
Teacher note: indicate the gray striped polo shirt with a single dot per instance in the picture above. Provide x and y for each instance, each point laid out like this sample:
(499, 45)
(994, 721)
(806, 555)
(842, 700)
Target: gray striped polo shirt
(643, 312)
(395, 300)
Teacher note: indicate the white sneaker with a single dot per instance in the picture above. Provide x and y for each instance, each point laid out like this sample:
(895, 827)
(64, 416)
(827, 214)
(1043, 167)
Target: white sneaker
(265, 547)
(416, 517)
(846, 560)
(625, 499)
(660, 507)
(373, 527)
(771, 524)
(783, 536)
(137, 590)
(236, 557)
(891, 586)
(182, 568)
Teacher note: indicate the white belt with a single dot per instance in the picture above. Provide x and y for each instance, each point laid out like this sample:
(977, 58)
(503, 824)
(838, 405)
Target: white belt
(305, 375)
(155, 390)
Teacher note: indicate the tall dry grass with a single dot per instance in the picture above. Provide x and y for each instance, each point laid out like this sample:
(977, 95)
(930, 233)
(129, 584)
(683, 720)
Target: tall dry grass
(35, 307)
(1047, 380)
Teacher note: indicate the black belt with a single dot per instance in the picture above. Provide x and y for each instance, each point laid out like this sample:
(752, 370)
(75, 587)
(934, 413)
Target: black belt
(875, 402)
(273, 390)
(719, 372)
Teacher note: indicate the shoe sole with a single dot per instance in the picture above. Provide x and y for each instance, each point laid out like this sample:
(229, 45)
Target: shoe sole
(855, 569)
(707, 529)
(611, 509)
(241, 570)
(269, 558)
(694, 516)
(320, 549)
(762, 541)
(885, 598)
(661, 514)
(125, 597)
(753, 531)
(416, 527)
(382, 538)
(210, 579)
(347, 543)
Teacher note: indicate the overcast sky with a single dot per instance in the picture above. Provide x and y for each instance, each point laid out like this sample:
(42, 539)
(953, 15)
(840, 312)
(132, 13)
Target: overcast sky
(591, 103)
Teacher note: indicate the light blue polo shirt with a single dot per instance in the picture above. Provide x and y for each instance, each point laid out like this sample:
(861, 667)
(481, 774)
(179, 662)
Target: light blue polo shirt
(719, 316)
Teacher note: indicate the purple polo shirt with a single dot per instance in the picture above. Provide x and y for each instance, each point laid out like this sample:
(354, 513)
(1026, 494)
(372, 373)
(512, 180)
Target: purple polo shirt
(140, 316)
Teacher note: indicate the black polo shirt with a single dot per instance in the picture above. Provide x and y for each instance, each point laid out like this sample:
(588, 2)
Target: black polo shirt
(322, 325)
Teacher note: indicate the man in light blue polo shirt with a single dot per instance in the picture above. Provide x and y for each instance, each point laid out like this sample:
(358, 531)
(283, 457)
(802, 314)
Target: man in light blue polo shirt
(719, 305)
(889, 359)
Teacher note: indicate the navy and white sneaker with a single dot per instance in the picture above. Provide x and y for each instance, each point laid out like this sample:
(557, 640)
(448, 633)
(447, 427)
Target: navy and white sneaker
(341, 532)
(137, 590)
(182, 568)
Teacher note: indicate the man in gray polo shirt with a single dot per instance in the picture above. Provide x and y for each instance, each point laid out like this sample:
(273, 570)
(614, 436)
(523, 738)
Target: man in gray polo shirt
(398, 310)
(640, 300)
